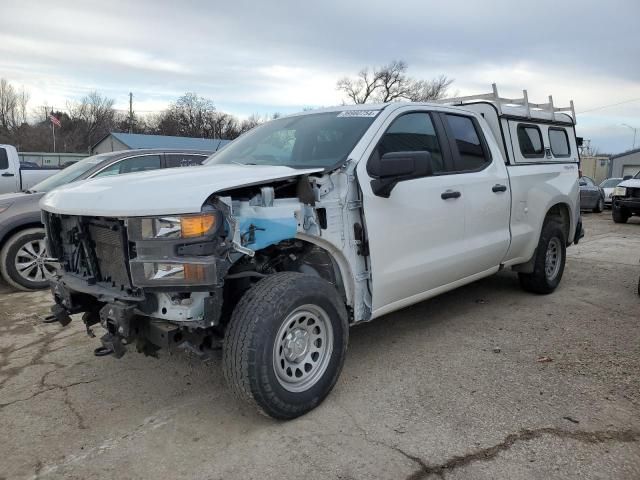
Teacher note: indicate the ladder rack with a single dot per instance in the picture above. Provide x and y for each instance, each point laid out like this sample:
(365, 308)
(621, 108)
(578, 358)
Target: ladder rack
(523, 102)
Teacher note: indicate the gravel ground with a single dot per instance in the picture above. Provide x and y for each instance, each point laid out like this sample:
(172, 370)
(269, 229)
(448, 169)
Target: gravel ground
(484, 382)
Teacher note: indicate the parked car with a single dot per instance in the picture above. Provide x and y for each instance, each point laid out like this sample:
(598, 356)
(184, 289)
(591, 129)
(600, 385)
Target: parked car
(24, 261)
(313, 222)
(591, 195)
(29, 165)
(607, 187)
(626, 199)
(16, 176)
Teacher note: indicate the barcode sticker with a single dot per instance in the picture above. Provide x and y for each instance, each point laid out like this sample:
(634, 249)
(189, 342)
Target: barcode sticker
(359, 113)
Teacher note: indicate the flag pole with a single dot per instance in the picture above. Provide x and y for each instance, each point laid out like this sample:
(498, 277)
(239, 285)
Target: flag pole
(53, 132)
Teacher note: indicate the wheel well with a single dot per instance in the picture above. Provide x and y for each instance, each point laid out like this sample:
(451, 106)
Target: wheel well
(560, 213)
(17, 229)
(295, 255)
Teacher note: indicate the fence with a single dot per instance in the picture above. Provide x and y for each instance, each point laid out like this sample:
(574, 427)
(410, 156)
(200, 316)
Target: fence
(46, 159)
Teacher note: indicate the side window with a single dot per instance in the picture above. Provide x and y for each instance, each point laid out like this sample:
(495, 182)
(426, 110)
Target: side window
(530, 140)
(183, 160)
(4, 159)
(559, 141)
(586, 182)
(413, 132)
(472, 155)
(131, 165)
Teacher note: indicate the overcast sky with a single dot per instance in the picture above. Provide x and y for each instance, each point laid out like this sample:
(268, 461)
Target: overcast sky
(266, 56)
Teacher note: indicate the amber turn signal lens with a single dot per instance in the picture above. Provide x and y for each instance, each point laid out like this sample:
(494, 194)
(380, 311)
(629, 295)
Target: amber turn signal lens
(197, 226)
(193, 273)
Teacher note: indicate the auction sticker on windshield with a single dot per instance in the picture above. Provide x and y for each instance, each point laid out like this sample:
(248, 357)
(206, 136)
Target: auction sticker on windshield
(359, 113)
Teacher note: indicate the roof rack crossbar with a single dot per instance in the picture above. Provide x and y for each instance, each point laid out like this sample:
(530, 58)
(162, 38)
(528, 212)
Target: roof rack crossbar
(499, 102)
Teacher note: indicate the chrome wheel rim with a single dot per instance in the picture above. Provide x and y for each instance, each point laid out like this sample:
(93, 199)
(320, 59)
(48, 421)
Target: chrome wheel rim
(553, 259)
(33, 263)
(302, 348)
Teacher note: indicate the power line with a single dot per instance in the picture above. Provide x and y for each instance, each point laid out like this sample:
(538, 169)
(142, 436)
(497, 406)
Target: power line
(610, 105)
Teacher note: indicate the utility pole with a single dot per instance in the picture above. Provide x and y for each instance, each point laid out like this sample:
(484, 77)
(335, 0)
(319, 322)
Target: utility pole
(635, 131)
(130, 112)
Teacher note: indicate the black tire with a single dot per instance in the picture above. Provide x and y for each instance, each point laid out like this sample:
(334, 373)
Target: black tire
(599, 206)
(539, 281)
(249, 351)
(11, 250)
(619, 214)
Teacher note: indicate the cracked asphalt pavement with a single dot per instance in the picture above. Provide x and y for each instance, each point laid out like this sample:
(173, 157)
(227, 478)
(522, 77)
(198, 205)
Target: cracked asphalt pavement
(485, 382)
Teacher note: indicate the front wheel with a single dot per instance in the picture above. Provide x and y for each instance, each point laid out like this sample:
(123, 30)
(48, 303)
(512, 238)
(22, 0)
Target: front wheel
(286, 343)
(24, 261)
(549, 261)
(619, 214)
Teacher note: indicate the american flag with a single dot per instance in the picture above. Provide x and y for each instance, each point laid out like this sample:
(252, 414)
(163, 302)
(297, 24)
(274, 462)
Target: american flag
(54, 120)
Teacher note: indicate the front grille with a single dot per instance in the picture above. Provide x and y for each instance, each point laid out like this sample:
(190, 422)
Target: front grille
(633, 192)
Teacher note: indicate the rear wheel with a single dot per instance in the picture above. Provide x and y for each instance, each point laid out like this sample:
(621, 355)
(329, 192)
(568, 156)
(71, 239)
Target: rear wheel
(549, 261)
(24, 260)
(286, 343)
(599, 206)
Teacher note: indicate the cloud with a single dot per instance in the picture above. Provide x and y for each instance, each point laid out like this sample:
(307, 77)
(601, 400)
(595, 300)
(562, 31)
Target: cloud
(252, 56)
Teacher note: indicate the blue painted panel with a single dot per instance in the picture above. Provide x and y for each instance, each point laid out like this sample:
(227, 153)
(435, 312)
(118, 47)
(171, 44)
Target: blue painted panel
(266, 231)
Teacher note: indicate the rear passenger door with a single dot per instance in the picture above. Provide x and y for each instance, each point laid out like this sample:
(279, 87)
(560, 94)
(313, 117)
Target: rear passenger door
(479, 170)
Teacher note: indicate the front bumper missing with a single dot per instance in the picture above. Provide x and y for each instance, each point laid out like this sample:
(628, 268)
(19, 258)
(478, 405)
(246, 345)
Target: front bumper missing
(123, 328)
(120, 315)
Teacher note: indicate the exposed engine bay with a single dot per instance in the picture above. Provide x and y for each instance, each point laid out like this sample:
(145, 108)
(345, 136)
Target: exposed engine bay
(166, 281)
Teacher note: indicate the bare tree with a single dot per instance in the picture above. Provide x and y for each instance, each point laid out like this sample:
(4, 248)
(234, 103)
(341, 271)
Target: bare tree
(391, 83)
(22, 102)
(8, 104)
(92, 118)
(361, 89)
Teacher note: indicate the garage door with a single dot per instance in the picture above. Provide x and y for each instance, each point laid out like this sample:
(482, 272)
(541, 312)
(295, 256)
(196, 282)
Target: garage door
(630, 170)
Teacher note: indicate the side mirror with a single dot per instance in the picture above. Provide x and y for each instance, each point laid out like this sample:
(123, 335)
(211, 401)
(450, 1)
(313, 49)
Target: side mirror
(579, 141)
(394, 167)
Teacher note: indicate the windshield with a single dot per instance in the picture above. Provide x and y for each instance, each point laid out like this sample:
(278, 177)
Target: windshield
(610, 182)
(305, 141)
(69, 174)
(637, 175)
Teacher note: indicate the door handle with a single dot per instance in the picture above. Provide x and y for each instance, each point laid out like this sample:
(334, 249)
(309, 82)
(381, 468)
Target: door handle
(7, 174)
(450, 194)
(499, 188)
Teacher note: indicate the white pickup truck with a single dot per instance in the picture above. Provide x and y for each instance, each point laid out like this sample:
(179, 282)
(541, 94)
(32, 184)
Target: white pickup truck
(311, 223)
(15, 178)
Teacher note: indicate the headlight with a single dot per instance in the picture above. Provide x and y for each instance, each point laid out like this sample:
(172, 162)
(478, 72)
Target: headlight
(172, 273)
(175, 227)
(4, 207)
(620, 192)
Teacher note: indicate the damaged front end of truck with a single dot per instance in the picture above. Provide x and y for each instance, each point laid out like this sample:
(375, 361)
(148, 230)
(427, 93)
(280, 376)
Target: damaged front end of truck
(166, 281)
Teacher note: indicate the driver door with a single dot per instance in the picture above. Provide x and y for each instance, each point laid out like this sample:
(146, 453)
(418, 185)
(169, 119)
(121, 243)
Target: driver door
(417, 235)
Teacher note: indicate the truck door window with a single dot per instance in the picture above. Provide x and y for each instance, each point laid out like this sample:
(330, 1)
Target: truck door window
(472, 154)
(559, 141)
(413, 132)
(530, 140)
(4, 160)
